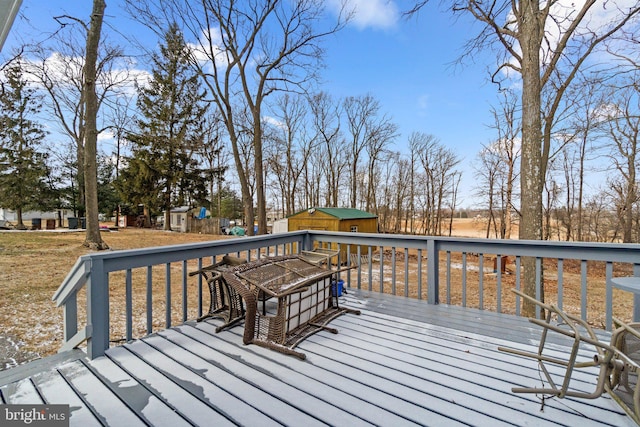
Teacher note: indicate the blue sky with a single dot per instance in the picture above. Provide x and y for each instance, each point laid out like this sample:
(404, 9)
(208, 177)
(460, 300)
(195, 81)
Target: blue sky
(405, 63)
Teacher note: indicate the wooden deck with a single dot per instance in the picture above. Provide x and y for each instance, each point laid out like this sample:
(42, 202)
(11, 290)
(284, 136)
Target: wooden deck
(402, 362)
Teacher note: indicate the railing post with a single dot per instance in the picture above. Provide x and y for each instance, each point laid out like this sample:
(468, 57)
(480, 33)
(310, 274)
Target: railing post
(433, 286)
(636, 297)
(307, 242)
(71, 317)
(98, 310)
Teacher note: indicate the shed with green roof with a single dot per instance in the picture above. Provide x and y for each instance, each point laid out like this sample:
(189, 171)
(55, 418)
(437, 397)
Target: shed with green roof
(334, 219)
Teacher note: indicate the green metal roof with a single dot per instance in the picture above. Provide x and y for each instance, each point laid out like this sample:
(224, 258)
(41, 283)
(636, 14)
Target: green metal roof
(344, 213)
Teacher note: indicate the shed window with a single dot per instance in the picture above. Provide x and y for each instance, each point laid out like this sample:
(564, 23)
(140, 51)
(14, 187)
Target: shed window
(354, 228)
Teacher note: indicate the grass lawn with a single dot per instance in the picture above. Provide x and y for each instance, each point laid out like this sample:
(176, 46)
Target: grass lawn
(32, 266)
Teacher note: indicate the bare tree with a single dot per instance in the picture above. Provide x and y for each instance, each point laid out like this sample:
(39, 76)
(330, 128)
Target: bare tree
(440, 178)
(388, 189)
(369, 133)
(585, 118)
(486, 173)
(291, 148)
(59, 68)
(120, 119)
(93, 239)
(215, 158)
(624, 130)
(252, 49)
(497, 172)
(326, 122)
(381, 134)
(546, 43)
(400, 189)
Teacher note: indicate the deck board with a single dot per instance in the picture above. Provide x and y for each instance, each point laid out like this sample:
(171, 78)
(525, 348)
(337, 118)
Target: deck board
(334, 387)
(458, 375)
(55, 390)
(401, 362)
(137, 397)
(111, 409)
(188, 406)
(483, 322)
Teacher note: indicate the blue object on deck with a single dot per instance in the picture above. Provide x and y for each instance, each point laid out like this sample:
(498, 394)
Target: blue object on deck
(203, 213)
(337, 287)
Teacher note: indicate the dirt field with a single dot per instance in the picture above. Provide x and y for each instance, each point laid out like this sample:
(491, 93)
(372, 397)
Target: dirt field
(34, 264)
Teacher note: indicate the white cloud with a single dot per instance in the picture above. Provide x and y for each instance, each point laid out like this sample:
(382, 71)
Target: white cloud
(379, 14)
(209, 47)
(274, 122)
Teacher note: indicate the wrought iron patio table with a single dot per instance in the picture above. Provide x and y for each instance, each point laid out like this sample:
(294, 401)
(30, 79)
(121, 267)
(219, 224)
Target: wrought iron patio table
(305, 303)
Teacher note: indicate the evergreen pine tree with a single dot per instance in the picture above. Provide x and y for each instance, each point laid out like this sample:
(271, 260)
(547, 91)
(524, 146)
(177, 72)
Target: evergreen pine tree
(162, 171)
(23, 171)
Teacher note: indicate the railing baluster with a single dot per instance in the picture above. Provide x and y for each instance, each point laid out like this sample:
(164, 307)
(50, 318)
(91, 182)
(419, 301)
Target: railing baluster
(608, 296)
(382, 269)
(433, 273)
(481, 281)
(359, 264)
(184, 291)
(128, 306)
(538, 284)
(149, 284)
(349, 265)
(560, 282)
(518, 285)
(167, 290)
(419, 273)
(370, 267)
(464, 279)
(199, 284)
(583, 289)
(448, 277)
(393, 270)
(499, 283)
(406, 272)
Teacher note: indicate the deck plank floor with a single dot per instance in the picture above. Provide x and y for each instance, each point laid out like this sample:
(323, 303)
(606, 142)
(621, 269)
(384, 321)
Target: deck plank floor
(402, 362)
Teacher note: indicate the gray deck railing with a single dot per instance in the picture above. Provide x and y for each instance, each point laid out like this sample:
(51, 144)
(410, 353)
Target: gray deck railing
(461, 271)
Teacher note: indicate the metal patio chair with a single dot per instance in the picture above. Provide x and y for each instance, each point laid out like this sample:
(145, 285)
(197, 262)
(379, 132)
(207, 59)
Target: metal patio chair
(225, 302)
(618, 360)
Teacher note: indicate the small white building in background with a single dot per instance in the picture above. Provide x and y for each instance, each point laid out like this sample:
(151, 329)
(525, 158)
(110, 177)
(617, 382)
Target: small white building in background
(11, 216)
(280, 226)
(179, 218)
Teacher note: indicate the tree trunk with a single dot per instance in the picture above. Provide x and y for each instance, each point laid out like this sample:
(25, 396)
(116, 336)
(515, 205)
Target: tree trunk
(93, 239)
(20, 225)
(531, 176)
(259, 170)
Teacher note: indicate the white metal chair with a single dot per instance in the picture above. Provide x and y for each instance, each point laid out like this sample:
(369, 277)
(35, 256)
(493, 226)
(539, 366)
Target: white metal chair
(618, 360)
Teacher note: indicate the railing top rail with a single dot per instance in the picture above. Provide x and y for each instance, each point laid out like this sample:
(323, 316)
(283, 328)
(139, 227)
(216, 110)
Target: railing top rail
(132, 258)
(74, 281)
(622, 252)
